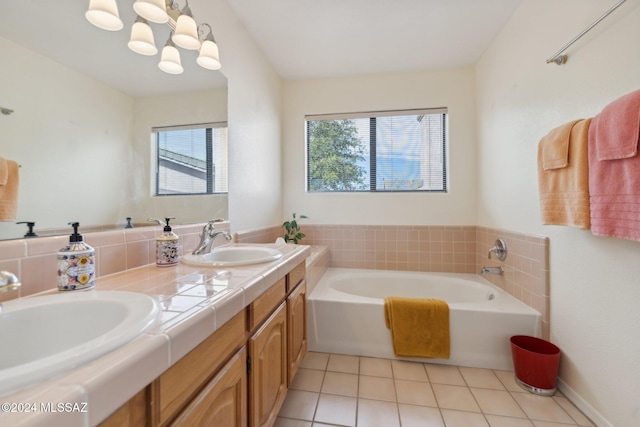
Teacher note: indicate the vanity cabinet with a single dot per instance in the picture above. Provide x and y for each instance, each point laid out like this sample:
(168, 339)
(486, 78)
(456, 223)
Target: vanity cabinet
(297, 329)
(223, 401)
(239, 375)
(268, 369)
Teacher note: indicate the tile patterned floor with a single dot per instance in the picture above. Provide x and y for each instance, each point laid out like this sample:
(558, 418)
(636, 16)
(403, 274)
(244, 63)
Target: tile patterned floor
(340, 390)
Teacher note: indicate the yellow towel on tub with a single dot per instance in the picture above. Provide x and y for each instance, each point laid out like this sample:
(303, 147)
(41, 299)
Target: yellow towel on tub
(419, 327)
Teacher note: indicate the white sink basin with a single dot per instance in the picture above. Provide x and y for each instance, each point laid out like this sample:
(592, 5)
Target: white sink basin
(40, 337)
(233, 256)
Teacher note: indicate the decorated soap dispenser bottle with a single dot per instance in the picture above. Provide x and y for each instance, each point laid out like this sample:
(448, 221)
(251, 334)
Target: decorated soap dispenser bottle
(76, 264)
(166, 245)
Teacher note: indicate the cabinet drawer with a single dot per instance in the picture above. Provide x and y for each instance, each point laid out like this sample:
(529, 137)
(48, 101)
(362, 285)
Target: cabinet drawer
(296, 275)
(177, 386)
(223, 402)
(266, 303)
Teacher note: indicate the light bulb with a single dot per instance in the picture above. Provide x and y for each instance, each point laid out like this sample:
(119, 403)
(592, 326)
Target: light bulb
(186, 33)
(141, 40)
(170, 59)
(209, 57)
(104, 14)
(152, 10)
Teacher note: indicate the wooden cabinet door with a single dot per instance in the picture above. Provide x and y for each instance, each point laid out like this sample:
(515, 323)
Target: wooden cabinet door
(268, 375)
(223, 401)
(297, 324)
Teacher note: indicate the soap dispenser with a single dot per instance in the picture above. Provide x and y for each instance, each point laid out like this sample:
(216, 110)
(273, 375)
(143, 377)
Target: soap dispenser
(76, 263)
(166, 245)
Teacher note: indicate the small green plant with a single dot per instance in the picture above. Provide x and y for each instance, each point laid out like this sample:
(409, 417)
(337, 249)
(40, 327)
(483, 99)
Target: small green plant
(292, 230)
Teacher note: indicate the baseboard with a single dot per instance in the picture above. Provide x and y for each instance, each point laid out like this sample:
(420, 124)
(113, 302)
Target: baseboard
(582, 404)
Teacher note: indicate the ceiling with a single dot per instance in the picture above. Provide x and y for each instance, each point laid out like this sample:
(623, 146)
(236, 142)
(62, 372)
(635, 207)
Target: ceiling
(301, 38)
(308, 39)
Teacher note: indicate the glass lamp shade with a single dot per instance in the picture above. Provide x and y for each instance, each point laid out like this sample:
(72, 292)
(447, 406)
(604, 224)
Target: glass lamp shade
(152, 10)
(141, 40)
(209, 57)
(170, 60)
(104, 14)
(186, 33)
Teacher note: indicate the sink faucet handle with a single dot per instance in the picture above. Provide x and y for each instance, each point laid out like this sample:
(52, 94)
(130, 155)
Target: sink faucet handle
(8, 281)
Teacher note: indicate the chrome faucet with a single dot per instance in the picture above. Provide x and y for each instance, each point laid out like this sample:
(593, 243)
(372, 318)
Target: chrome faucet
(209, 234)
(493, 270)
(8, 282)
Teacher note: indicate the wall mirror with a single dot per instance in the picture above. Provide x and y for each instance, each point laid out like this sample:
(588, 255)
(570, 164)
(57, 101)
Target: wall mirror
(84, 106)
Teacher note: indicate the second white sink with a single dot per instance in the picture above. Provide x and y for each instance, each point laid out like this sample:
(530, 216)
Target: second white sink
(233, 256)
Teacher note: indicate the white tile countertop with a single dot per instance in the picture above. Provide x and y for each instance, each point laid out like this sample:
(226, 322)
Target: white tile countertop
(195, 302)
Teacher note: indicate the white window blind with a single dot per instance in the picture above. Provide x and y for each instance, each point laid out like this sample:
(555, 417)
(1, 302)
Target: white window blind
(387, 151)
(191, 159)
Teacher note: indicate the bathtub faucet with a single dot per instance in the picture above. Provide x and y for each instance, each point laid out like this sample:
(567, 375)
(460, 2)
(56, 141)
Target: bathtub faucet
(493, 270)
(209, 234)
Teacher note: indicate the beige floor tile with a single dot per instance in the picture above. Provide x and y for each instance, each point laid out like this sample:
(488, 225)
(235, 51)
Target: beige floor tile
(299, 404)
(308, 380)
(455, 397)
(420, 416)
(334, 409)
(374, 413)
(463, 419)
(507, 378)
(499, 421)
(375, 367)
(550, 424)
(376, 388)
(340, 383)
(573, 412)
(542, 408)
(444, 374)
(415, 393)
(497, 402)
(413, 371)
(343, 363)
(288, 422)
(481, 378)
(315, 360)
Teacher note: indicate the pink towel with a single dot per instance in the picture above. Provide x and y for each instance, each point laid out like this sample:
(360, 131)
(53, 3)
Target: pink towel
(614, 185)
(618, 128)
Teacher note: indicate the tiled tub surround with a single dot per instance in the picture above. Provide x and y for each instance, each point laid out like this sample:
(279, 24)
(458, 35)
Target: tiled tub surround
(195, 302)
(452, 249)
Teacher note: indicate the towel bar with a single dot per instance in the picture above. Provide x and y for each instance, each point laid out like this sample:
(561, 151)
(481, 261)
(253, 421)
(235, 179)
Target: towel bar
(560, 59)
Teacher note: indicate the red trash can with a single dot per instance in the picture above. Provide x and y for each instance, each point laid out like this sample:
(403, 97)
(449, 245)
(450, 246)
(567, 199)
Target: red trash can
(535, 362)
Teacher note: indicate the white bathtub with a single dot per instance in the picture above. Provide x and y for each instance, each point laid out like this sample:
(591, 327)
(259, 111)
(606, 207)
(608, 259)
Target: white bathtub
(346, 315)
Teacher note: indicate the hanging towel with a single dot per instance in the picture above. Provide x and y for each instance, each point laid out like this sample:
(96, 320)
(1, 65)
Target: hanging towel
(614, 185)
(4, 171)
(9, 191)
(419, 327)
(563, 175)
(618, 128)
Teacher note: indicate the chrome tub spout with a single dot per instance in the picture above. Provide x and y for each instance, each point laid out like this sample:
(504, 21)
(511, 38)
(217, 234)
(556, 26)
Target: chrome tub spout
(493, 270)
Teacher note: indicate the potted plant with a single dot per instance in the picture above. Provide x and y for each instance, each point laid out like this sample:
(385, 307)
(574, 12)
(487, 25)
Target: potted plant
(292, 229)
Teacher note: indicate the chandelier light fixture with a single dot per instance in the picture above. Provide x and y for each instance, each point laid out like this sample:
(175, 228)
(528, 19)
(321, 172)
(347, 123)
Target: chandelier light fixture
(186, 33)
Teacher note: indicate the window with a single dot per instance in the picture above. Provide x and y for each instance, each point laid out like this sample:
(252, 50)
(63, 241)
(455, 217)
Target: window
(387, 151)
(191, 159)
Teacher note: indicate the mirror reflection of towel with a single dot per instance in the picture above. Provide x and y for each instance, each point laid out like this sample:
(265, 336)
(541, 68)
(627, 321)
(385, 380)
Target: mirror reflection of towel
(9, 190)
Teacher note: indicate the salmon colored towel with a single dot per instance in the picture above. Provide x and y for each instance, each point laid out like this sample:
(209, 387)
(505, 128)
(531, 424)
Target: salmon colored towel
(419, 327)
(563, 175)
(618, 128)
(614, 185)
(8, 190)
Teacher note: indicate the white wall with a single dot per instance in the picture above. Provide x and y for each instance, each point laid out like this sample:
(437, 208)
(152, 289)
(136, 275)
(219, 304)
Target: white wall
(255, 163)
(453, 89)
(595, 281)
(70, 134)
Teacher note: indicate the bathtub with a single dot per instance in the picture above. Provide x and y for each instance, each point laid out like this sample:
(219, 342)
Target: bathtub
(346, 315)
